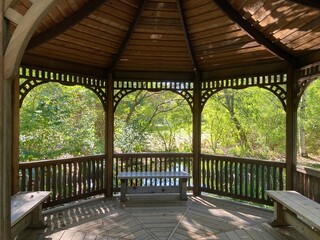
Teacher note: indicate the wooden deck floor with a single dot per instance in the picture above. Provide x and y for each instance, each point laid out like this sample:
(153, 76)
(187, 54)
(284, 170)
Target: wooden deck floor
(160, 217)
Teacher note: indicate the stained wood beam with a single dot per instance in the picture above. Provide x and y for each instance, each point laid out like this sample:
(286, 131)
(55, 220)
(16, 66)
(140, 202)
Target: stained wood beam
(13, 16)
(66, 24)
(308, 3)
(186, 34)
(130, 31)
(22, 35)
(237, 18)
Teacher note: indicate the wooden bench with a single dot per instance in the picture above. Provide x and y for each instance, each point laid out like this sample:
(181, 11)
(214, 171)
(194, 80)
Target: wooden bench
(181, 189)
(292, 208)
(26, 211)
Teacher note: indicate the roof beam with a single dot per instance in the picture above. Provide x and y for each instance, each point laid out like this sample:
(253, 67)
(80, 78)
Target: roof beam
(130, 31)
(65, 24)
(308, 3)
(237, 18)
(186, 35)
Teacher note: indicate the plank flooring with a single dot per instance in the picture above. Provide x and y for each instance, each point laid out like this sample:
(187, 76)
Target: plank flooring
(159, 217)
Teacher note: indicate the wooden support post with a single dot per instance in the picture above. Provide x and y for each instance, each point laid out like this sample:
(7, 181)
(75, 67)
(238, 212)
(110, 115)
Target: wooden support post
(15, 137)
(5, 130)
(291, 129)
(196, 141)
(109, 137)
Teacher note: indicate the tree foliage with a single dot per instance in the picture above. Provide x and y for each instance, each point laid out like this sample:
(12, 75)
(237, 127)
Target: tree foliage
(56, 120)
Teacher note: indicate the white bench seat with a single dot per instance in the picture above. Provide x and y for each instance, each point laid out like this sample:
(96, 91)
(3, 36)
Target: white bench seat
(26, 210)
(181, 189)
(292, 208)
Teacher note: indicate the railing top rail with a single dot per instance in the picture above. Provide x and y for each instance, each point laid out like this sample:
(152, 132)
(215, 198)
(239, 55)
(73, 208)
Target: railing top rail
(59, 161)
(308, 170)
(243, 160)
(152, 154)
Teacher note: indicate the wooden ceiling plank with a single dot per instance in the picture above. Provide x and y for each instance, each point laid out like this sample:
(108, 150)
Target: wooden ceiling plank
(65, 24)
(309, 3)
(254, 33)
(9, 3)
(130, 31)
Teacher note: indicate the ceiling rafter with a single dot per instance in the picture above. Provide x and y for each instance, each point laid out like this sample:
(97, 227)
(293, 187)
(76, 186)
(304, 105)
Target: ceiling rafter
(65, 24)
(237, 18)
(130, 31)
(186, 35)
(308, 3)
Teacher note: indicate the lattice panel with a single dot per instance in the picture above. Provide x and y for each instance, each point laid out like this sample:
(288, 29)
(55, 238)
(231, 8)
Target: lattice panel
(36, 77)
(274, 83)
(153, 85)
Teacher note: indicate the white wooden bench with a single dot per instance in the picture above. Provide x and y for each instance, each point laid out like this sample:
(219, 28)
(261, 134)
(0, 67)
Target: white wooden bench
(292, 208)
(26, 211)
(181, 189)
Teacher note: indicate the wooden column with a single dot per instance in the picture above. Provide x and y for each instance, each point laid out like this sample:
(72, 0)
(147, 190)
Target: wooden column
(5, 129)
(196, 141)
(109, 119)
(291, 129)
(15, 136)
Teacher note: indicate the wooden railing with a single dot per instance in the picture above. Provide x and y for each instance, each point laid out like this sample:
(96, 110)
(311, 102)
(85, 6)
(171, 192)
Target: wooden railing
(76, 178)
(68, 179)
(241, 178)
(307, 182)
(152, 162)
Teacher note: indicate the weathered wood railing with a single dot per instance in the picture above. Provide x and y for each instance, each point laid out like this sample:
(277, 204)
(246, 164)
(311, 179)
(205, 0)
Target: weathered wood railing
(68, 179)
(307, 182)
(241, 178)
(152, 162)
(76, 178)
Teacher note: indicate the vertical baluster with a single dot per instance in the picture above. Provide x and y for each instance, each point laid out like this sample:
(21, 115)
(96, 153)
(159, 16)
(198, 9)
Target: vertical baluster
(212, 173)
(209, 174)
(94, 177)
(221, 170)
(281, 178)
(217, 174)
(23, 180)
(75, 178)
(98, 173)
(268, 178)
(84, 177)
(36, 178)
(231, 184)
(42, 181)
(59, 184)
(236, 178)
(251, 180)
(54, 182)
(226, 174)
(64, 184)
(257, 172)
(89, 176)
(241, 178)
(263, 182)
(275, 177)
(70, 174)
(246, 179)
(30, 178)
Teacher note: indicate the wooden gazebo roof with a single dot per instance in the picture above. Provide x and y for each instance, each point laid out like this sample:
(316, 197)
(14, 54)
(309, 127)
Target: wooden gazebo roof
(99, 36)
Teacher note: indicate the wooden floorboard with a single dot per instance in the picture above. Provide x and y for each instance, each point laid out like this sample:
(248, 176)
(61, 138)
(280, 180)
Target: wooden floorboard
(159, 217)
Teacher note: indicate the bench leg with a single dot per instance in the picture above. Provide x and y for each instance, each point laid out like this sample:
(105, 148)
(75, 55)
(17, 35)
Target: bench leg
(123, 197)
(278, 216)
(183, 189)
(36, 218)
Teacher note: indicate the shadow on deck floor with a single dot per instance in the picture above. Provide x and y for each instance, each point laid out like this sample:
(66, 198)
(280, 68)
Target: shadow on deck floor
(159, 217)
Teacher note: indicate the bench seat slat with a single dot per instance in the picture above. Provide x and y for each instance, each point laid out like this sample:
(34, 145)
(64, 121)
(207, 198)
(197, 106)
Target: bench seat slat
(133, 175)
(300, 205)
(23, 203)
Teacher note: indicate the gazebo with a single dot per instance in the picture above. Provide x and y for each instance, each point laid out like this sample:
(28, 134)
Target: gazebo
(192, 48)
